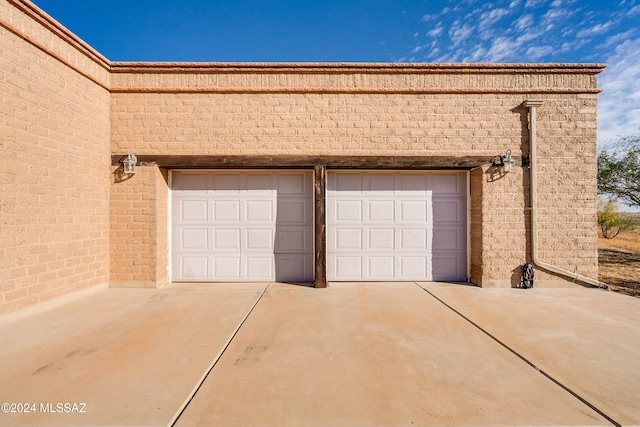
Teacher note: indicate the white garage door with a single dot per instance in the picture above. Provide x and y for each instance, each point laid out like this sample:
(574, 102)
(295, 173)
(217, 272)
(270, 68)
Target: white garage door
(399, 226)
(242, 226)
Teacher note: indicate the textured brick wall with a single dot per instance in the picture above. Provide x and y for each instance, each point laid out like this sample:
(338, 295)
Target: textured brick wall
(500, 214)
(65, 228)
(54, 167)
(458, 114)
(139, 240)
(314, 124)
(567, 180)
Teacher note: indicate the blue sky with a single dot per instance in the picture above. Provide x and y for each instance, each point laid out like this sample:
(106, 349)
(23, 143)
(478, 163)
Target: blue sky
(498, 31)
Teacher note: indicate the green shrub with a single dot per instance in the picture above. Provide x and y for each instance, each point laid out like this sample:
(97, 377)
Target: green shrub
(611, 221)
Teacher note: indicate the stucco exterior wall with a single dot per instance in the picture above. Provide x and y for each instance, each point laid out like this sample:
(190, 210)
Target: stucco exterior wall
(54, 164)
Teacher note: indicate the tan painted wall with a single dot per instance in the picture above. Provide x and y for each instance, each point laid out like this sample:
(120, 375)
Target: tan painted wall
(54, 165)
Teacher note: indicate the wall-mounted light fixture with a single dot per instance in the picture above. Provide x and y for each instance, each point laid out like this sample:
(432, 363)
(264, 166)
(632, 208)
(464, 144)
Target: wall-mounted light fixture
(129, 164)
(506, 162)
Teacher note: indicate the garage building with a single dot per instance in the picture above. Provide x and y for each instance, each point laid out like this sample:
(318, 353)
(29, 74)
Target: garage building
(302, 173)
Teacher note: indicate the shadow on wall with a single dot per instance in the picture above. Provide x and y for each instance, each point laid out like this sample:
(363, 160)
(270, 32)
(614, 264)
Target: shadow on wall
(119, 175)
(494, 173)
(516, 277)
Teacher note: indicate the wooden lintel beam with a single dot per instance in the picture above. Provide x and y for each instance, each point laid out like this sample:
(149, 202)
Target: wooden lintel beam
(308, 162)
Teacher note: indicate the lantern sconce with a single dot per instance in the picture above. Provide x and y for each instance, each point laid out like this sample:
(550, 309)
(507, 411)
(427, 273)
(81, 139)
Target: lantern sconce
(506, 162)
(129, 164)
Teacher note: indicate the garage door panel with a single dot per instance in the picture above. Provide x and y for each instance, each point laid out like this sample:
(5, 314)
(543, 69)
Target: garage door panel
(349, 267)
(448, 184)
(346, 182)
(445, 267)
(258, 267)
(295, 211)
(381, 211)
(195, 183)
(259, 239)
(193, 211)
(448, 239)
(347, 239)
(381, 239)
(194, 267)
(415, 183)
(226, 268)
(380, 267)
(347, 211)
(226, 239)
(260, 183)
(227, 183)
(413, 267)
(226, 211)
(390, 225)
(293, 239)
(413, 211)
(242, 226)
(294, 267)
(294, 184)
(449, 211)
(194, 238)
(381, 183)
(259, 211)
(413, 238)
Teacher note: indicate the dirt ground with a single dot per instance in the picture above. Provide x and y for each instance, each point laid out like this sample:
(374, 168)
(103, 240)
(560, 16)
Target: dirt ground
(619, 262)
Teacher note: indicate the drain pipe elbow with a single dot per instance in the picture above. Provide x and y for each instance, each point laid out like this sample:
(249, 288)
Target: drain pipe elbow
(532, 105)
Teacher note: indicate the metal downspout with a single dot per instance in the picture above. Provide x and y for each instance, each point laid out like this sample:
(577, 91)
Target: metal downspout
(531, 105)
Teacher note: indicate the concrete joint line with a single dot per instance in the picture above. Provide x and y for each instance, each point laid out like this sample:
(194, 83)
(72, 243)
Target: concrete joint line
(191, 395)
(525, 360)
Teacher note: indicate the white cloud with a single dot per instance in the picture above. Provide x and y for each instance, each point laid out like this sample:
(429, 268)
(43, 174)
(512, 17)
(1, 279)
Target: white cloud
(501, 48)
(489, 18)
(566, 47)
(459, 32)
(436, 31)
(524, 22)
(619, 103)
(528, 36)
(574, 44)
(534, 3)
(561, 3)
(536, 52)
(567, 32)
(596, 29)
(554, 15)
(478, 54)
(616, 38)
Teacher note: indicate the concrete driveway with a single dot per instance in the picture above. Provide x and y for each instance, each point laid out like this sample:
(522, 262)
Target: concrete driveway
(354, 354)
